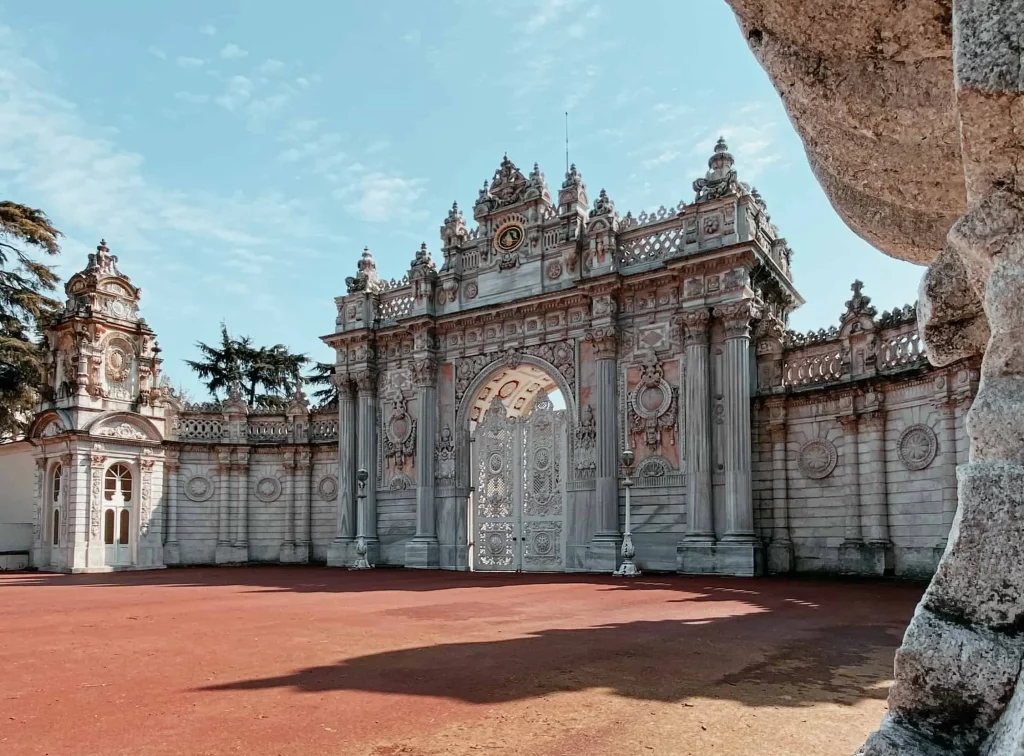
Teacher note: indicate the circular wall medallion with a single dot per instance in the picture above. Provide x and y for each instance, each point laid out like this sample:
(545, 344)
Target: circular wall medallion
(199, 488)
(268, 489)
(917, 447)
(117, 365)
(495, 462)
(542, 543)
(510, 237)
(118, 308)
(554, 270)
(470, 290)
(818, 458)
(651, 402)
(328, 487)
(541, 459)
(495, 544)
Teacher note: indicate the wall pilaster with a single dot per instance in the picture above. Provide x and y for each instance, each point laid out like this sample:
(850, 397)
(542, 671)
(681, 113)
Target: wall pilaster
(172, 464)
(780, 549)
(366, 459)
(339, 552)
(424, 550)
(700, 524)
(604, 547)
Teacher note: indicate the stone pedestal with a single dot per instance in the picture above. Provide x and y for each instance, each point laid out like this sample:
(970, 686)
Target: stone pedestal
(423, 553)
(341, 552)
(780, 557)
(858, 558)
(722, 558)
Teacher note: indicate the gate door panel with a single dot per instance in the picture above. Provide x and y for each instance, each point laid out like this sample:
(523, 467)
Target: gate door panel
(496, 443)
(543, 536)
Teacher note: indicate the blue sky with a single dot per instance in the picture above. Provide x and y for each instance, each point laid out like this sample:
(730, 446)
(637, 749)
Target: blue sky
(238, 155)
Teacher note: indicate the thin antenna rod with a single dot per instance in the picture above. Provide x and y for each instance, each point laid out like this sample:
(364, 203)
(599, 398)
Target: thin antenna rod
(567, 141)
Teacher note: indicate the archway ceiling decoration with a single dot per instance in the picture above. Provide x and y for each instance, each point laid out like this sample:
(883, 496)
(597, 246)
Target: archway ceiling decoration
(517, 387)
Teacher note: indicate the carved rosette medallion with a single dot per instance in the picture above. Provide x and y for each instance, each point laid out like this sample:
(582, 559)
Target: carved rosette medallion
(917, 447)
(328, 488)
(818, 458)
(652, 404)
(400, 434)
(118, 364)
(470, 290)
(199, 488)
(267, 489)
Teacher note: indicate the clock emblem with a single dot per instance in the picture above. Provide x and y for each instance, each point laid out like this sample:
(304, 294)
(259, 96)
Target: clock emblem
(510, 237)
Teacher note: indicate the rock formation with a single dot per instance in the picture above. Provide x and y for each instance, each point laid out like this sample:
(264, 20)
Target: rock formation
(913, 120)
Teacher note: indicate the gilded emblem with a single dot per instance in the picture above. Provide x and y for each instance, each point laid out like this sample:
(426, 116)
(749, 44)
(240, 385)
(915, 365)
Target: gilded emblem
(510, 238)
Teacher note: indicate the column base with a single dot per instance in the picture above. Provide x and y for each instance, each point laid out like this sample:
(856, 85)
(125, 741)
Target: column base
(172, 553)
(857, 558)
(423, 554)
(341, 552)
(603, 553)
(229, 554)
(294, 553)
(722, 558)
(780, 557)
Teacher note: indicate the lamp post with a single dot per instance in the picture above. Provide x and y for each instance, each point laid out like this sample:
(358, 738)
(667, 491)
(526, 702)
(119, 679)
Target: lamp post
(361, 563)
(627, 568)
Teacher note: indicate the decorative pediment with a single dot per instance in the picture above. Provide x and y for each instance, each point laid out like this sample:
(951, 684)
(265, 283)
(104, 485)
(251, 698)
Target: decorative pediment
(49, 425)
(123, 426)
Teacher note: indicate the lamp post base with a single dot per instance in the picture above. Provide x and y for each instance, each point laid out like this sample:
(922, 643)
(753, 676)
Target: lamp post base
(627, 568)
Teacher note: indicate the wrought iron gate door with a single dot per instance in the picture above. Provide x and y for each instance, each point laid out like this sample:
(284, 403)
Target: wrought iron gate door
(519, 508)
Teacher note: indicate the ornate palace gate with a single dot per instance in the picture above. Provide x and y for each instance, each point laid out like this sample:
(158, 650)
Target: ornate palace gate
(518, 517)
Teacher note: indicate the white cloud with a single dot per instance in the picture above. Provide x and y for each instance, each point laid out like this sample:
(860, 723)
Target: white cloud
(547, 11)
(208, 29)
(381, 197)
(55, 159)
(412, 37)
(238, 92)
(192, 98)
(190, 63)
(231, 51)
(666, 157)
(270, 66)
(379, 146)
(157, 52)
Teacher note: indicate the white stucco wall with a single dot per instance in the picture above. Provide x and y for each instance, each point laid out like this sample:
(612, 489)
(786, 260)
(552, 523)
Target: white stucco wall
(17, 481)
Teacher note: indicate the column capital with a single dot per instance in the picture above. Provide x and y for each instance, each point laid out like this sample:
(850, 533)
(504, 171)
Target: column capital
(849, 422)
(424, 371)
(695, 324)
(606, 342)
(737, 317)
(223, 459)
(366, 381)
(342, 382)
(873, 419)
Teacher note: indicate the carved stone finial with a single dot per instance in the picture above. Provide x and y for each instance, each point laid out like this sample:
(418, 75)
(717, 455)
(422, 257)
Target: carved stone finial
(422, 261)
(859, 304)
(720, 180)
(602, 205)
(365, 278)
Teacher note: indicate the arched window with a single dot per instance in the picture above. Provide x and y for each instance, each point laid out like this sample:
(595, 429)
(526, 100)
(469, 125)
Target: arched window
(55, 476)
(108, 527)
(125, 520)
(56, 527)
(118, 482)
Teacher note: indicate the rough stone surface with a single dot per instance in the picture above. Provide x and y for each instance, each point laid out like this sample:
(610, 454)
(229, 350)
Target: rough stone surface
(952, 682)
(1008, 734)
(982, 580)
(912, 116)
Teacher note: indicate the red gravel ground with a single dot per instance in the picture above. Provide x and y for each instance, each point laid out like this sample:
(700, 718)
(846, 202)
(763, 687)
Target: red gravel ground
(401, 663)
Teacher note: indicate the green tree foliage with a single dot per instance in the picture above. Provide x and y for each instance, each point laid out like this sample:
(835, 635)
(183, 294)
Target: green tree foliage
(24, 307)
(266, 374)
(326, 393)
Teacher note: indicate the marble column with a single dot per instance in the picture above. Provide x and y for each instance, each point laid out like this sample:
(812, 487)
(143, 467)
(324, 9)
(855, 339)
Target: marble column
(304, 483)
(852, 527)
(780, 550)
(224, 485)
(366, 459)
(700, 524)
(872, 477)
(424, 550)
(288, 546)
(605, 545)
(739, 511)
(241, 540)
(172, 551)
(339, 553)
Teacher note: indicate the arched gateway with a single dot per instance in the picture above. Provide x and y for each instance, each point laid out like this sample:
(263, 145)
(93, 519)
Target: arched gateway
(644, 325)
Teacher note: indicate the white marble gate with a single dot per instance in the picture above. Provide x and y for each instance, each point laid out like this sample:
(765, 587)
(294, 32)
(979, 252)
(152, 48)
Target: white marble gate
(518, 517)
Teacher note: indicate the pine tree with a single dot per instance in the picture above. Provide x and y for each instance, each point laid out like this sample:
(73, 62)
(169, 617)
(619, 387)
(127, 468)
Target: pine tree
(24, 308)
